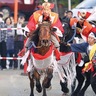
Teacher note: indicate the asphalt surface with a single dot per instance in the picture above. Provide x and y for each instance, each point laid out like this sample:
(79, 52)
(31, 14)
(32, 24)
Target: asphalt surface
(12, 83)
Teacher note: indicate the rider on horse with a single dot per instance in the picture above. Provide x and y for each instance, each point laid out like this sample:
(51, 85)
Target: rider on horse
(44, 14)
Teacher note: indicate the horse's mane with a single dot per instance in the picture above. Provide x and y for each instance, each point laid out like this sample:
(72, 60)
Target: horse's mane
(69, 33)
(35, 36)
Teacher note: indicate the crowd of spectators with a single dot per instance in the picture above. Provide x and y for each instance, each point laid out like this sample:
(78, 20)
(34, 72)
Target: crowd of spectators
(11, 40)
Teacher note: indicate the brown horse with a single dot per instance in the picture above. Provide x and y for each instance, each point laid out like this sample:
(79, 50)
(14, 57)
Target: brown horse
(43, 46)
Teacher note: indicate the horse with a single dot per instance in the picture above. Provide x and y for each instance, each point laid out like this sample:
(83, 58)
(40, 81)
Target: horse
(79, 90)
(68, 36)
(43, 33)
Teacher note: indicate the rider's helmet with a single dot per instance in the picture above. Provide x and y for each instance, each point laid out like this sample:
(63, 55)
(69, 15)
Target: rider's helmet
(46, 5)
(93, 35)
(46, 10)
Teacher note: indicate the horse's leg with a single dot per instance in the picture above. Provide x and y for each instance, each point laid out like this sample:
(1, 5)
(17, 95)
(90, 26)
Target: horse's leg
(31, 84)
(47, 81)
(73, 86)
(44, 91)
(87, 83)
(38, 84)
(64, 87)
(80, 79)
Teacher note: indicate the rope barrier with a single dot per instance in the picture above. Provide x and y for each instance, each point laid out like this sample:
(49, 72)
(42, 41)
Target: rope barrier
(10, 58)
(16, 58)
(11, 28)
(13, 58)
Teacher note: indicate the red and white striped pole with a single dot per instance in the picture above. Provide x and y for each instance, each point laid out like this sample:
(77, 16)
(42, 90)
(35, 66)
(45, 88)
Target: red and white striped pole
(10, 58)
(16, 58)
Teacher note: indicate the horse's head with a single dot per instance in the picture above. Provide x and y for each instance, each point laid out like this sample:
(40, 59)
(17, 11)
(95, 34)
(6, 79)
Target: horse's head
(45, 33)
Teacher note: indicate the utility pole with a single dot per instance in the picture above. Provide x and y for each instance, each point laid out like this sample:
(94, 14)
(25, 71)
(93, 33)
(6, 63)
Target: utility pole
(56, 7)
(15, 11)
(69, 4)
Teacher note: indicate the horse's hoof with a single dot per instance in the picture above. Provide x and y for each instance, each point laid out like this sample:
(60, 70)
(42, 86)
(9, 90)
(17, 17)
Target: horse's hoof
(65, 94)
(31, 95)
(44, 95)
(64, 87)
(39, 89)
(48, 89)
(65, 90)
(48, 85)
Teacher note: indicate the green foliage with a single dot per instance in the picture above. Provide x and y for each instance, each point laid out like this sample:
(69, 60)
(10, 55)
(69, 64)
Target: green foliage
(65, 3)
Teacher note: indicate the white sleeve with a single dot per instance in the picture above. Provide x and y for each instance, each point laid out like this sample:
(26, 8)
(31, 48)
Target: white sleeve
(26, 29)
(58, 32)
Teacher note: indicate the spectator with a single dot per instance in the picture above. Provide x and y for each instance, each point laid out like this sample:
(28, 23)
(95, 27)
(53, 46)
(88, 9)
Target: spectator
(89, 48)
(19, 38)
(10, 40)
(12, 18)
(68, 14)
(2, 42)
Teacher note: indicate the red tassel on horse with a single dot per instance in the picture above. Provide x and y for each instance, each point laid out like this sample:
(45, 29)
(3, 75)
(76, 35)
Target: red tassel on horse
(57, 54)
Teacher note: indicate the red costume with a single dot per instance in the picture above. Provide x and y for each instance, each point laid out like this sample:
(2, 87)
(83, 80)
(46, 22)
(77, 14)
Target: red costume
(37, 17)
(86, 27)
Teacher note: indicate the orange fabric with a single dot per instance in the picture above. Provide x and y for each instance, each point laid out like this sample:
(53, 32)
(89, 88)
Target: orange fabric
(57, 54)
(86, 28)
(54, 15)
(38, 13)
(72, 21)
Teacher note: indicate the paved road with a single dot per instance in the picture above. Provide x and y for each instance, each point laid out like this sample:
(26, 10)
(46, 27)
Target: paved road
(12, 83)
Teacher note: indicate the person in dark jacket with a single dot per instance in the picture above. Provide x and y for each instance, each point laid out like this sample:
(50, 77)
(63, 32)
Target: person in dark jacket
(2, 42)
(89, 48)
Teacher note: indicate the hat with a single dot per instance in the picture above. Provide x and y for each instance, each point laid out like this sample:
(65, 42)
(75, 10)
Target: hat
(46, 5)
(92, 34)
(83, 14)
